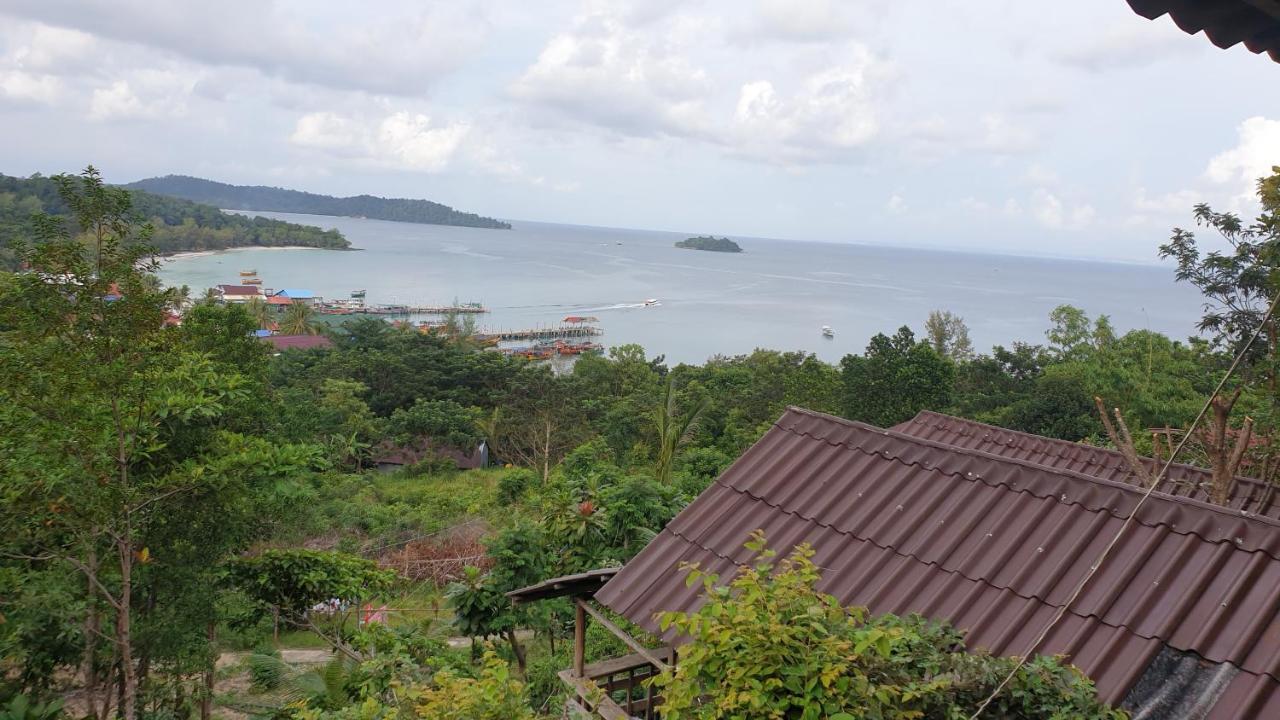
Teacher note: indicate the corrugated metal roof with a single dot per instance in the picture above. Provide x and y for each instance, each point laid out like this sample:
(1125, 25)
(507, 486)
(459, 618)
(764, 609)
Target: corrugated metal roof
(298, 342)
(238, 290)
(1256, 23)
(903, 524)
(1248, 494)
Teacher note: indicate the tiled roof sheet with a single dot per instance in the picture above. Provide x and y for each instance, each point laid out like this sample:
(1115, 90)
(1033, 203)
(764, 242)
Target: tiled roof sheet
(1256, 23)
(239, 290)
(1249, 495)
(902, 524)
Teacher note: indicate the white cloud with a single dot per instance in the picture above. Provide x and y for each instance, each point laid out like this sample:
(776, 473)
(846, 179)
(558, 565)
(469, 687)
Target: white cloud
(28, 87)
(831, 113)
(603, 73)
(144, 94)
(1179, 202)
(399, 50)
(1046, 208)
(1002, 136)
(813, 21)
(1257, 150)
(896, 204)
(1129, 45)
(404, 140)
(117, 100)
(1038, 174)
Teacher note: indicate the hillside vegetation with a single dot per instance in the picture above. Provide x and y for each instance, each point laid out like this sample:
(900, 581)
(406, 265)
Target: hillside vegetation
(274, 199)
(710, 244)
(180, 225)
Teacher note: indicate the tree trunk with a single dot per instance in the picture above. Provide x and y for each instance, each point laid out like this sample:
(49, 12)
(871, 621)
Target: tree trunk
(206, 698)
(92, 626)
(124, 629)
(516, 650)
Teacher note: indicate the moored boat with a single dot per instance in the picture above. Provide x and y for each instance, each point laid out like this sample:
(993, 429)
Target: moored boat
(827, 332)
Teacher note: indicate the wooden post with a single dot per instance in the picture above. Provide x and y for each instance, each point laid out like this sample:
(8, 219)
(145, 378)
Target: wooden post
(579, 640)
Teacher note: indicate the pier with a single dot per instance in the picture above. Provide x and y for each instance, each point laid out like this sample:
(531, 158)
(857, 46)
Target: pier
(346, 309)
(550, 333)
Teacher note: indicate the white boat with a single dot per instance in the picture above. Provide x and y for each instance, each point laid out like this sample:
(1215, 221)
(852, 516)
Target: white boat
(827, 332)
(651, 302)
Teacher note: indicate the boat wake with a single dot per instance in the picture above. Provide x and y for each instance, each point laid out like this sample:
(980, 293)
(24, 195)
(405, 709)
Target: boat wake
(615, 306)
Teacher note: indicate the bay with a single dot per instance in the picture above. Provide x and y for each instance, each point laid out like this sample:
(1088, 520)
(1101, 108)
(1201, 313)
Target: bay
(777, 294)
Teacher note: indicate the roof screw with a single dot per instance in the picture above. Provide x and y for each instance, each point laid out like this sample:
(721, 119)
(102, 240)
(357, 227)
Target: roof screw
(1039, 549)
(899, 508)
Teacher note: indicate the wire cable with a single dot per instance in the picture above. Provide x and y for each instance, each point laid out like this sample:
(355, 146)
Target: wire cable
(1106, 551)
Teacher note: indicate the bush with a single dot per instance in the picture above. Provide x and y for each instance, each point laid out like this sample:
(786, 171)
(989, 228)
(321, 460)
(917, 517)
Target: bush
(494, 695)
(513, 485)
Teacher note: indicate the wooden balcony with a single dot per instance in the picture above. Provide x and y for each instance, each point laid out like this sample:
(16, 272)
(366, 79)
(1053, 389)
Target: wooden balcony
(613, 689)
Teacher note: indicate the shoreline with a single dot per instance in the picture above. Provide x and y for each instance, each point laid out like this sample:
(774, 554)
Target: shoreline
(183, 254)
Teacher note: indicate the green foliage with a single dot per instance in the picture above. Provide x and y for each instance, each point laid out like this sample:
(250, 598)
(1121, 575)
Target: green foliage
(768, 644)
(256, 197)
(711, 243)
(179, 225)
(294, 581)
(494, 695)
(443, 422)
(266, 669)
(21, 707)
(896, 378)
(513, 485)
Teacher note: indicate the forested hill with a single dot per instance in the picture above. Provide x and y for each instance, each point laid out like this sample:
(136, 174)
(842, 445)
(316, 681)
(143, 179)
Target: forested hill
(260, 197)
(180, 225)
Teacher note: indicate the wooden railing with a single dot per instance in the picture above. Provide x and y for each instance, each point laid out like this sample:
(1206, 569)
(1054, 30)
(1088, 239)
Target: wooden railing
(614, 689)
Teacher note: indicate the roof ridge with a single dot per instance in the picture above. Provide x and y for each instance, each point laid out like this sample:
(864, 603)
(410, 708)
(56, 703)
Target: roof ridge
(1058, 443)
(1190, 502)
(982, 581)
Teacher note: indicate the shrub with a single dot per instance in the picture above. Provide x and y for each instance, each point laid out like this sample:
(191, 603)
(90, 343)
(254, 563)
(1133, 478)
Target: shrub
(494, 695)
(513, 485)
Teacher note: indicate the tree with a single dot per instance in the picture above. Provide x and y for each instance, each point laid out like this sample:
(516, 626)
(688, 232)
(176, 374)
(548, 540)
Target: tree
(291, 583)
(299, 319)
(768, 644)
(896, 378)
(260, 311)
(674, 429)
(948, 335)
(111, 426)
(1238, 286)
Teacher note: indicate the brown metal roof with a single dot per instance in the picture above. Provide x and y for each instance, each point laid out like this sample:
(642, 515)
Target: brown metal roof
(1249, 495)
(1256, 23)
(298, 342)
(903, 524)
(578, 584)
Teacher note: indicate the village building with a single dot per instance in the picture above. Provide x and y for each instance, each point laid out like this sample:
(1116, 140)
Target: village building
(237, 293)
(292, 295)
(280, 343)
(1182, 621)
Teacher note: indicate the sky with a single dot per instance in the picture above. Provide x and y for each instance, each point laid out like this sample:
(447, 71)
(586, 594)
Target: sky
(1071, 129)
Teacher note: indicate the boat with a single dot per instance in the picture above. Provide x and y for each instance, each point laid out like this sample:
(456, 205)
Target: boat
(251, 281)
(248, 273)
(652, 302)
(357, 294)
(827, 332)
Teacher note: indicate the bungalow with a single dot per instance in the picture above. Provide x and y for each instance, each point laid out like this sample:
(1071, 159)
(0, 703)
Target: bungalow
(237, 293)
(390, 456)
(1181, 621)
(281, 343)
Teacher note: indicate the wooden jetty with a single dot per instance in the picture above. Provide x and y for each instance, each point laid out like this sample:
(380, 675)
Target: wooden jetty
(467, 309)
(547, 333)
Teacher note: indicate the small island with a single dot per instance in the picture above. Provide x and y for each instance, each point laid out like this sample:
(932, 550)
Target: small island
(710, 244)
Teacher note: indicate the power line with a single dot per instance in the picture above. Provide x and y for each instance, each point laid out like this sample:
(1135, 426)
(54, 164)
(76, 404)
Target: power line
(1106, 551)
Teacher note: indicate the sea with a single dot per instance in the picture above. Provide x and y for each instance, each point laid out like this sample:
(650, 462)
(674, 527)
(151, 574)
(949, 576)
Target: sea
(777, 294)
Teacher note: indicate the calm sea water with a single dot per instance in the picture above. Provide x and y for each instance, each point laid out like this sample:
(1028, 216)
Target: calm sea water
(777, 294)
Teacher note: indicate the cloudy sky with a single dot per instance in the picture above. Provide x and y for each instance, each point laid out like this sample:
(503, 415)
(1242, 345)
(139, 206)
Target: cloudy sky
(1050, 128)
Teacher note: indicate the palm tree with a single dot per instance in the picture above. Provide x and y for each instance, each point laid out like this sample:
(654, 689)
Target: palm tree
(299, 319)
(674, 430)
(259, 310)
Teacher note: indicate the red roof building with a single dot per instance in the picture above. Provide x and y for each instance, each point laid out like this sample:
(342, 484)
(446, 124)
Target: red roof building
(1181, 621)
